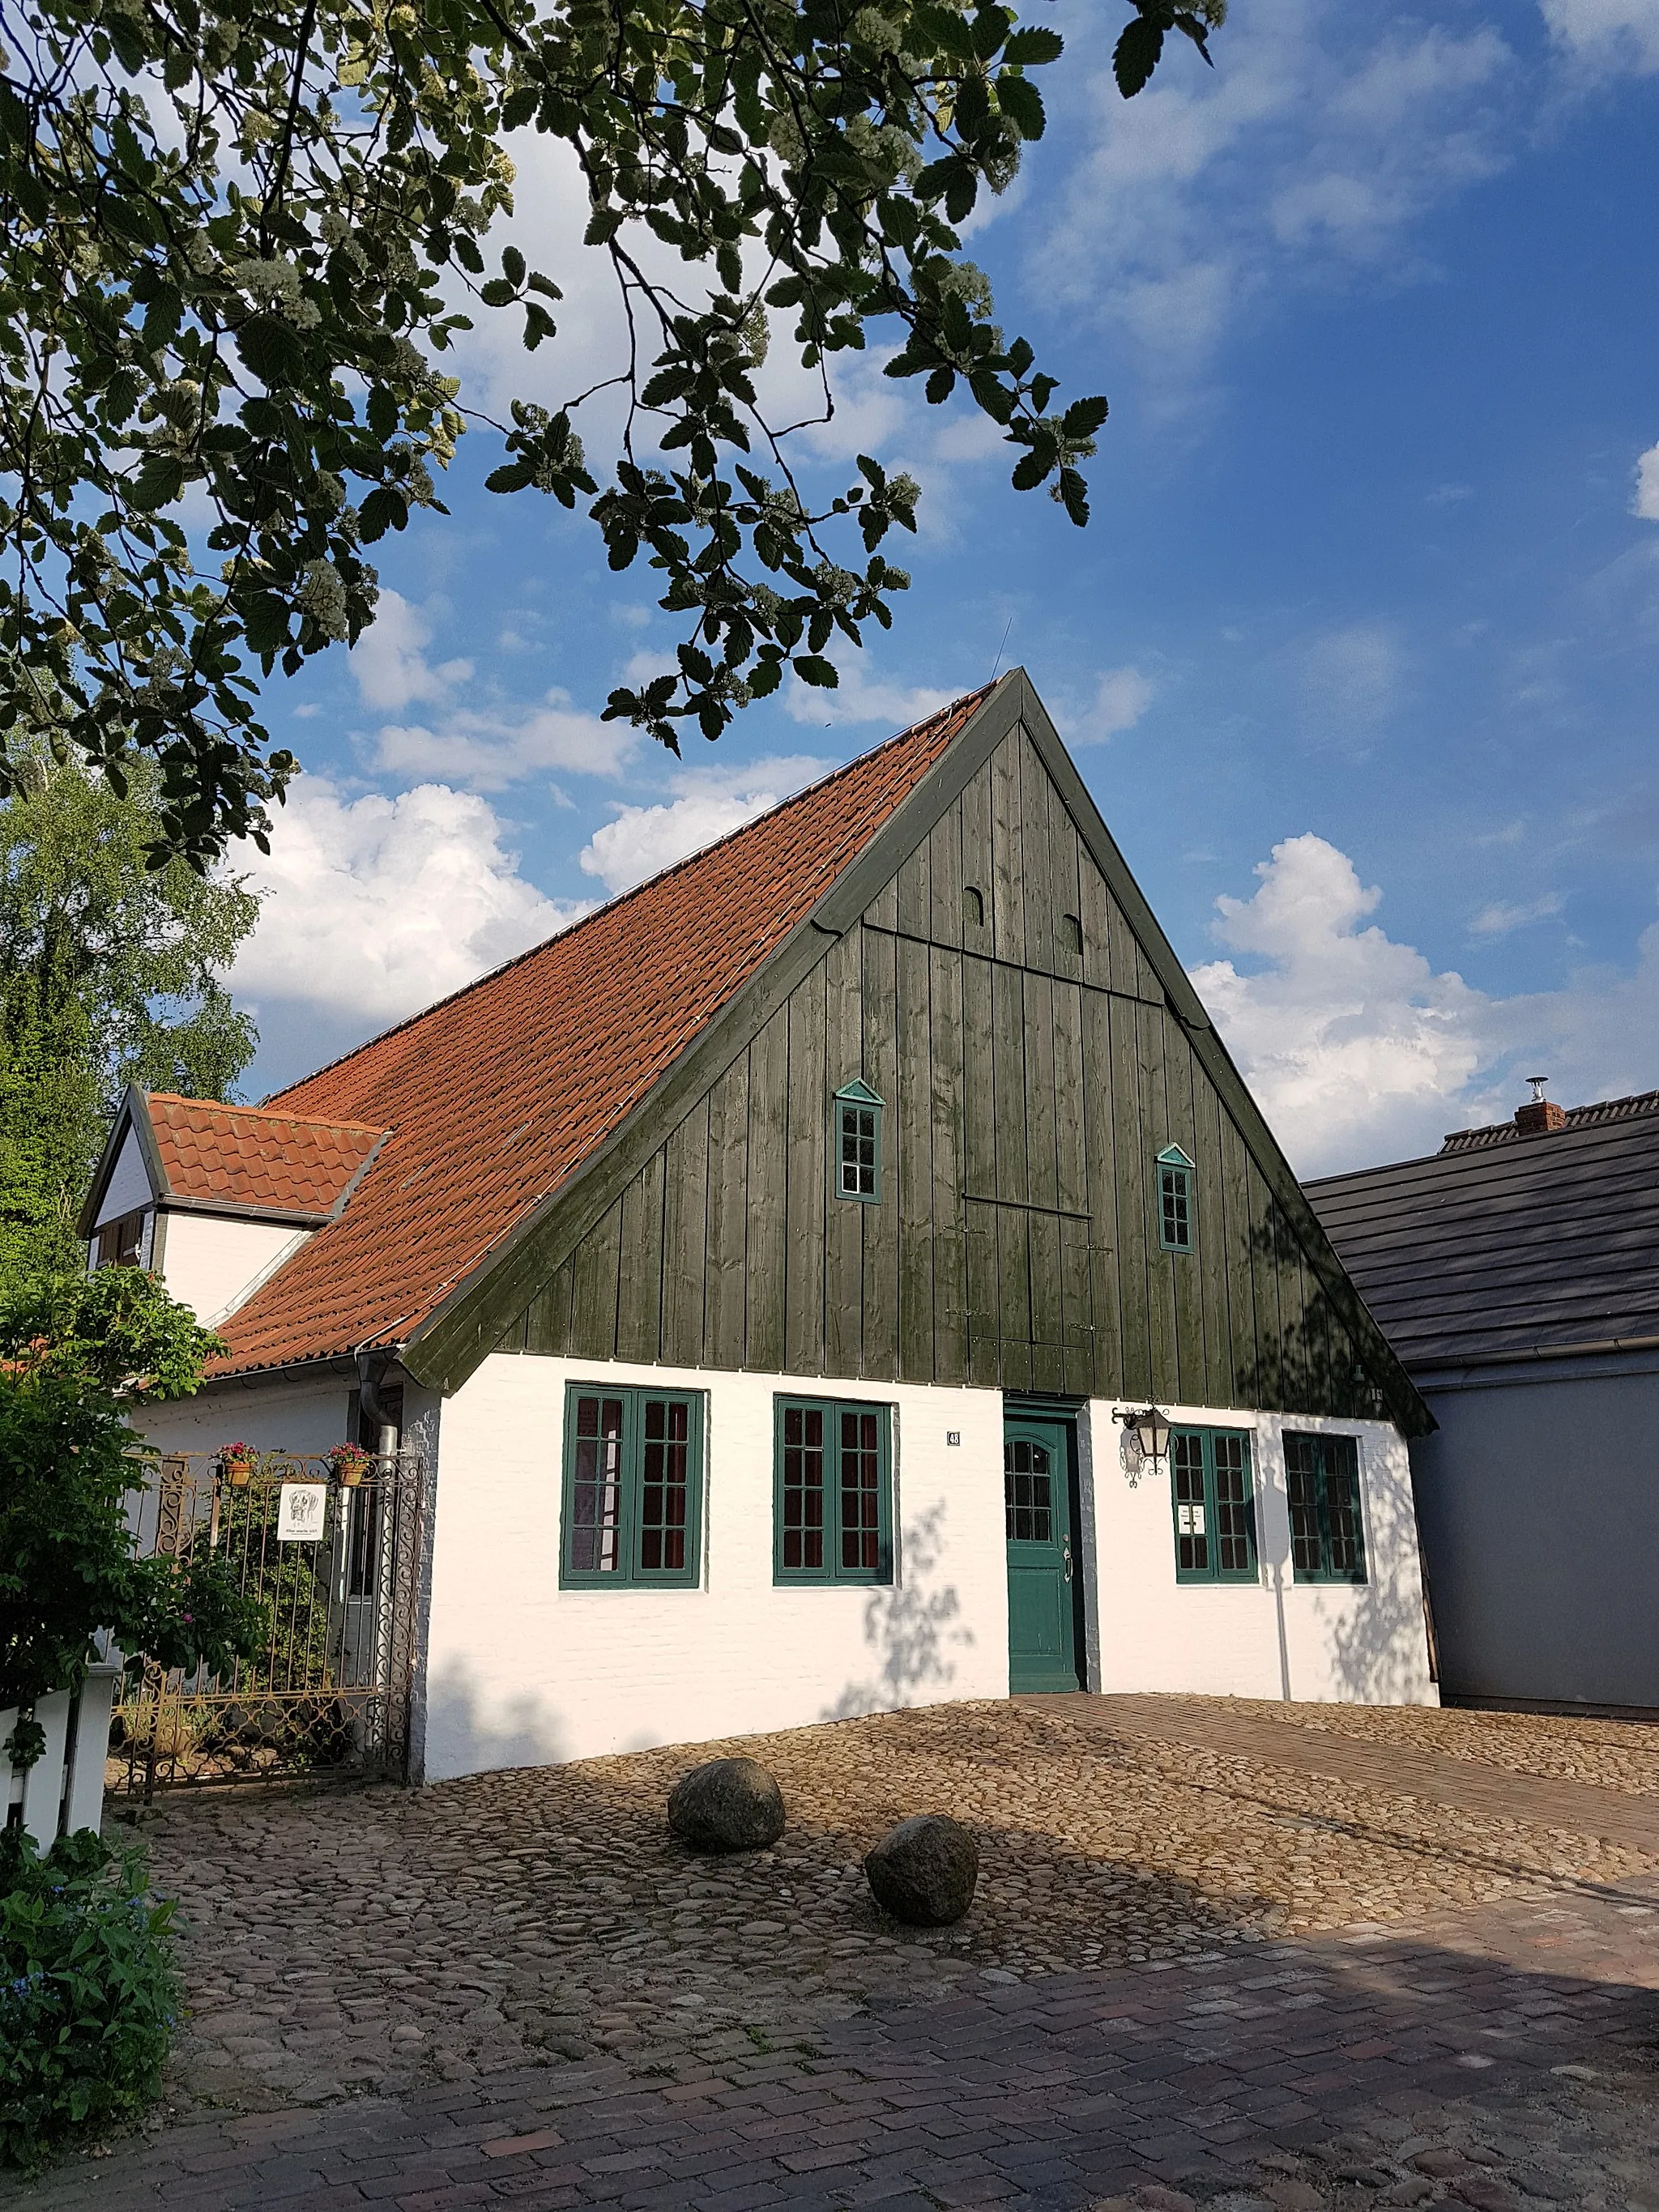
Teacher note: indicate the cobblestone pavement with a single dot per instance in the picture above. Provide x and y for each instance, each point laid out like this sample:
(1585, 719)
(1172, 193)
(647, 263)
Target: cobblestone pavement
(348, 1942)
(435, 1973)
(1505, 2059)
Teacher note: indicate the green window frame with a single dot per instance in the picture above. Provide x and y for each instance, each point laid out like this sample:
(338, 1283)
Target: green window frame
(1213, 1504)
(1175, 1201)
(632, 1514)
(832, 1510)
(855, 1143)
(1327, 1534)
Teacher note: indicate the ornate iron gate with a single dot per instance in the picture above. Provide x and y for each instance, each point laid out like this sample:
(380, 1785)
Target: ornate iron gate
(334, 1565)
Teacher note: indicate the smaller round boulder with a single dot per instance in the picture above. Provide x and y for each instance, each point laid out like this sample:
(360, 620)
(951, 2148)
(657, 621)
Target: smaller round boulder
(925, 1871)
(728, 1805)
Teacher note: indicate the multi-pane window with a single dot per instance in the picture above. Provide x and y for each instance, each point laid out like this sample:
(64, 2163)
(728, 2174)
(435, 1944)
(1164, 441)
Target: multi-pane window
(856, 1141)
(633, 1487)
(1175, 1199)
(1028, 1492)
(1213, 1505)
(834, 1501)
(1322, 1475)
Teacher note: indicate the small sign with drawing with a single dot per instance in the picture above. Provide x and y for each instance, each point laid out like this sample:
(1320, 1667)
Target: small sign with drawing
(300, 1512)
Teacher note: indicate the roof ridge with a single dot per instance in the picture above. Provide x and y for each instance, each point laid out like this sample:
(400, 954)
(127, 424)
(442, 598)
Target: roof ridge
(1630, 1107)
(968, 699)
(265, 1112)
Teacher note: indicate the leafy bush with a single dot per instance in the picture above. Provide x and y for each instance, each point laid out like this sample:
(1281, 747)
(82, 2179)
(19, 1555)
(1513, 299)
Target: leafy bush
(87, 1991)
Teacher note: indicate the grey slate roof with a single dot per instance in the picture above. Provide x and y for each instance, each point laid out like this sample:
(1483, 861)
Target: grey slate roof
(1509, 1246)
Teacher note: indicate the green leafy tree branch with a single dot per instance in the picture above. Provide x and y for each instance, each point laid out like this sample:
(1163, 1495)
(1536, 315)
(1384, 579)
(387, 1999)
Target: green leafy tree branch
(240, 238)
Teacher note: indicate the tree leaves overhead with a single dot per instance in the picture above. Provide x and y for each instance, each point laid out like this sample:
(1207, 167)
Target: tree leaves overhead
(239, 237)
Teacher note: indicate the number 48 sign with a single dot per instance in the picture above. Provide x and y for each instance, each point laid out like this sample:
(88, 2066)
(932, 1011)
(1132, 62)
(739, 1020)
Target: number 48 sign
(300, 1512)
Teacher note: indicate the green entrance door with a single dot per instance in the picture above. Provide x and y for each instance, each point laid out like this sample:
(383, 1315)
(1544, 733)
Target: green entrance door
(1042, 1568)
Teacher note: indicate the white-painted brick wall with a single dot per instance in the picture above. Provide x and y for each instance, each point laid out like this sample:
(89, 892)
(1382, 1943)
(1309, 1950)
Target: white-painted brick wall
(520, 1671)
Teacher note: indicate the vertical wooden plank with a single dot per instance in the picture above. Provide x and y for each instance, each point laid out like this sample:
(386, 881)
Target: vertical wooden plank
(1071, 1188)
(881, 1222)
(843, 1240)
(1246, 1375)
(515, 1337)
(1160, 1265)
(915, 892)
(1037, 1013)
(978, 867)
(639, 1305)
(1095, 906)
(980, 1168)
(808, 1179)
(1104, 1238)
(728, 1216)
(1065, 889)
(1043, 1256)
(882, 913)
(767, 1195)
(1264, 1282)
(1126, 953)
(596, 1271)
(685, 1238)
(915, 1193)
(945, 878)
(1130, 1172)
(549, 1317)
(1212, 1253)
(1008, 1083)
(1040, 921)
(1186, 1275)
(1007, 851)
(949, 1228)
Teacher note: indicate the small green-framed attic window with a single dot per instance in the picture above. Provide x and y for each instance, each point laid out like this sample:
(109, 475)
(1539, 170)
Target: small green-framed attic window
(1175, 1199)
(855, 1133)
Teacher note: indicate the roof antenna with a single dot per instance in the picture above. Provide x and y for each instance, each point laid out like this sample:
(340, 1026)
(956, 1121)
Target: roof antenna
(1002, 648)
(1537, 1082)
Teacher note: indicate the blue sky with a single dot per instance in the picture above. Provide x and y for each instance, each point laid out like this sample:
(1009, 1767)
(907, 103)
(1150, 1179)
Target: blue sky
(1358, 654)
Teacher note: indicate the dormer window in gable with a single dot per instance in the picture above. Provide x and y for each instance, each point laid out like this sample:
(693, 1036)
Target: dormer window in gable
(856, 1142)
(1175, 1199)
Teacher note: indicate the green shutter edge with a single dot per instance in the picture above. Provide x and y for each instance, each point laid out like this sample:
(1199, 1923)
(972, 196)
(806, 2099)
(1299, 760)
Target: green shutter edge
(452, 1342)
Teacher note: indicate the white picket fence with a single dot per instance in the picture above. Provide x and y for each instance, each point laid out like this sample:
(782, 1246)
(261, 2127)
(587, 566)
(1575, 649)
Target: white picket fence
(64, 1789)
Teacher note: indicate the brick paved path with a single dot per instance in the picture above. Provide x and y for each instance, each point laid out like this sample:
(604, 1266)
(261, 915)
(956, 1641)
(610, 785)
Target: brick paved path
(1497, 2058)
(1583, 1809)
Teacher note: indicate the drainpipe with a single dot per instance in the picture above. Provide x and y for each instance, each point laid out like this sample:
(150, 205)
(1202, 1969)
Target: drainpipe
(371, 1373)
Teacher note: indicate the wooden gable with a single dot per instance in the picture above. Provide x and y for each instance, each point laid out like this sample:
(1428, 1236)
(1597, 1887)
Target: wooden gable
(1002, 989)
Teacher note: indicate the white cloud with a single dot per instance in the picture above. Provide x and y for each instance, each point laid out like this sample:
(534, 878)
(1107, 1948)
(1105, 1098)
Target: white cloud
(1310, 153)
(1646, 502)
(1606, 35)
(1503, 916)
(488, 749)
(638, 842)
(375, 906)
(1358, 1051)
(1122, 697)
(389, 660)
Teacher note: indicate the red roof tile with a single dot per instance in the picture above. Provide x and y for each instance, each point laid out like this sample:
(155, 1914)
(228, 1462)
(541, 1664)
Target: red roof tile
(247, 1156)
(495, 1096)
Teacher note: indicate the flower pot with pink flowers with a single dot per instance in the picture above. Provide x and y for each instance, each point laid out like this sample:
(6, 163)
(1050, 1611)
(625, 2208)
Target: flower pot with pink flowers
(237, 1462)
(348, 1464)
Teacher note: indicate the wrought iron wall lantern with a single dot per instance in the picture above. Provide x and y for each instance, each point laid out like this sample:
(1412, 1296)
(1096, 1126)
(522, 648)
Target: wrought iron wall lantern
(1150, 1431)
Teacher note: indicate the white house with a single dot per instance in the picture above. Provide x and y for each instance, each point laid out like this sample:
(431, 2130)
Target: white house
(767, 1271)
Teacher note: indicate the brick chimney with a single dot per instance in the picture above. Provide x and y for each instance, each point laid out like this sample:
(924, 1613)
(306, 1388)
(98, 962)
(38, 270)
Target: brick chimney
(1540, 1115)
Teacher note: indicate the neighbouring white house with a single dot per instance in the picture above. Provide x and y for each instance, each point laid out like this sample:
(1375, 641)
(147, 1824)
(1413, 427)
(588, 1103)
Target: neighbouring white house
(781, 1275)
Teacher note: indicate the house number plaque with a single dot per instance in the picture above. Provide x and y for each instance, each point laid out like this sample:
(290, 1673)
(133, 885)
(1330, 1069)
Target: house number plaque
(300, 1512)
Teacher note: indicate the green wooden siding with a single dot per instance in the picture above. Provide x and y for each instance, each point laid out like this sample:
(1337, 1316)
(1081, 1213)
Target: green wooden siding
(1029, 1088)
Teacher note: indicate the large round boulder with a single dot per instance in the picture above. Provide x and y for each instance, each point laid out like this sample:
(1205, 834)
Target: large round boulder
(728, 1805)
(925, 1871)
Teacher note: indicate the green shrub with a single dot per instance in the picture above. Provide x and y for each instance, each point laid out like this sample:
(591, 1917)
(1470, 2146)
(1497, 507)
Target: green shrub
(88, 1992)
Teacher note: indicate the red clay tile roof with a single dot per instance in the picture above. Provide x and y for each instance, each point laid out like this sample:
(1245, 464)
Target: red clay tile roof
(496, 1096)
(247, 1156)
